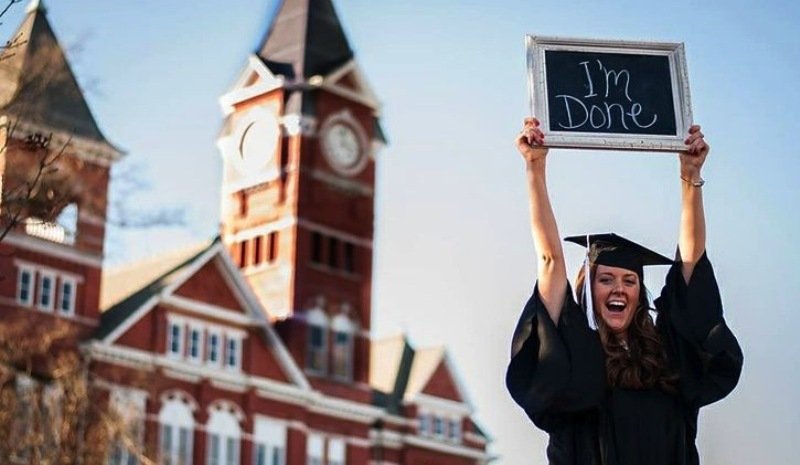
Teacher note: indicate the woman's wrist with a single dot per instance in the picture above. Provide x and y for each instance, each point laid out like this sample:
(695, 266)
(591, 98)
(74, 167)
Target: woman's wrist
(691, 175)
(535, 165)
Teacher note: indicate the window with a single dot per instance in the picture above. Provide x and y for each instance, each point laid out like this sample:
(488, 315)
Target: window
(175, 341)
(224, 434)
(243, 254)
(66, 296)
(273, 246)
(316, 247)
(349, 257)
(242, 203)
(213, 348)
(195, 343)
(47, 283)
(269, 439)
(177, 428)
(455, 430)
(438, 426)
(333, 252)
(424, 424)
(25, 286)
(232, 353)
(314, 450)
(316, 348)
(258, 245)
(342, 355)
(337, 452)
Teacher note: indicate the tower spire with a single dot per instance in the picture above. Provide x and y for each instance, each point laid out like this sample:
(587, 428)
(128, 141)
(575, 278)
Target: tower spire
(36, 5)
(305, 39)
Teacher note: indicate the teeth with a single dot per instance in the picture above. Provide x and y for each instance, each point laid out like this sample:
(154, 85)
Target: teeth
(616, 306)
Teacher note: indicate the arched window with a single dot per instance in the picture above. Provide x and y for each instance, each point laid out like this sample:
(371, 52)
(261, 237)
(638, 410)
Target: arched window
(224, 437)
(177, 430)
(343, 330)
(269, 442)
(317, 361)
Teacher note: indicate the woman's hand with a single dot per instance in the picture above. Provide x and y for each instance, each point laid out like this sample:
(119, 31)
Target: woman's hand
(694, 156)
(530, 141)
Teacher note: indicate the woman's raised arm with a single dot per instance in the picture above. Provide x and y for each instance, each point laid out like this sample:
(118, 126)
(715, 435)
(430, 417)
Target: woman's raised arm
(692, 238)
(552, 274)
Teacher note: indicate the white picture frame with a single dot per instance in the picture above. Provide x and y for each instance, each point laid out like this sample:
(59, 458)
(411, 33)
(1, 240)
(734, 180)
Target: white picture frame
(536, 46)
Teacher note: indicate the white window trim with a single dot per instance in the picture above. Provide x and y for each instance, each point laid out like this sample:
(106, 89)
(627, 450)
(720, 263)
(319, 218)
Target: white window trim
(70, 311)
(40, 288)
(31, 284)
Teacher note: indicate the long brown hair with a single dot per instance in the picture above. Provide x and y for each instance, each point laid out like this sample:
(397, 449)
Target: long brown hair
(643, 364)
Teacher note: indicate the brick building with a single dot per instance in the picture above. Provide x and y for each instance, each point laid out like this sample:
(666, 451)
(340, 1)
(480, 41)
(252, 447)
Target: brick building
(255, 347)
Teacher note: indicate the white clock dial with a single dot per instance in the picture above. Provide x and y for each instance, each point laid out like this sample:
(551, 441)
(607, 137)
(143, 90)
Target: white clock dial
(342, 146)
(257, 140)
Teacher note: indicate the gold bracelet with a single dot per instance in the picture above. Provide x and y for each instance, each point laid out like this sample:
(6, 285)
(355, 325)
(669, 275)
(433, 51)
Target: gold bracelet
(698, 183)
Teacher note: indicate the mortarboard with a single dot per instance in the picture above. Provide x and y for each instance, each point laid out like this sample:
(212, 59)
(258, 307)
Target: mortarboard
(612, 250)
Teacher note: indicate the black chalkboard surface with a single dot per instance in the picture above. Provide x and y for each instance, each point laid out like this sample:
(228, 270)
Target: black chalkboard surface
(609, 94)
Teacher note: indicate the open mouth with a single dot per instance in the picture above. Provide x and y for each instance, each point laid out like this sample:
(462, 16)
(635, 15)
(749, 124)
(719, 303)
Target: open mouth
(616, 306)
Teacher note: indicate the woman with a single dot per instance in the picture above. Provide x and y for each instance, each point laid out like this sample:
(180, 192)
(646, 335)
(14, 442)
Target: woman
(629, 392)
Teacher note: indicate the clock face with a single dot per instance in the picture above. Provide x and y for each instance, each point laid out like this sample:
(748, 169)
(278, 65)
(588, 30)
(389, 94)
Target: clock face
(342, 147)
(257, 140)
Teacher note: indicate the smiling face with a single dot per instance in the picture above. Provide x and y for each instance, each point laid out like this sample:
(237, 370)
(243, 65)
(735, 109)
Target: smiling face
(615, 293)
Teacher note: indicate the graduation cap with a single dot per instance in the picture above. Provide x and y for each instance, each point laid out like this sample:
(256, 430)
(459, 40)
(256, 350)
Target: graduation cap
(612, 250)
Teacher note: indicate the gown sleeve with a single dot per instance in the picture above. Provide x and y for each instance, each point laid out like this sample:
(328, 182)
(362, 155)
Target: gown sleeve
(703, 348)
(555, 369)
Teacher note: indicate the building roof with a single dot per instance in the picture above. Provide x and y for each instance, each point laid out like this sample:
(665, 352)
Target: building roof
(37, 84)
(124, 290)
(305, 39)
(398, 373)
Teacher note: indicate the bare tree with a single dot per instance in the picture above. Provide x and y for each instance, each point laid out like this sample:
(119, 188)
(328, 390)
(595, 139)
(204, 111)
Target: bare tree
(53, 409)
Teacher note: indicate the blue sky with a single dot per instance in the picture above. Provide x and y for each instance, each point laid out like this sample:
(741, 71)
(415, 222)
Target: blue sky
(453, 245)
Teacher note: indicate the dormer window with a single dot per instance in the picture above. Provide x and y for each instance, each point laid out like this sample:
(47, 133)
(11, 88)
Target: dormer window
(342, 348)
(317, 342)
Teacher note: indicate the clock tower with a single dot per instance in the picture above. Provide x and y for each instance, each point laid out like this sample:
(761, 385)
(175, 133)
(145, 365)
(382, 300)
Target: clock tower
(299, 145)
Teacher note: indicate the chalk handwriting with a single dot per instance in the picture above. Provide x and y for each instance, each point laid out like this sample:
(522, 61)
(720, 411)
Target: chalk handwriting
(605, 113)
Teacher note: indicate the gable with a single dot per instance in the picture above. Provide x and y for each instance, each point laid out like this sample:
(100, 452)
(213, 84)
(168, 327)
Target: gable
(208, 285)
(349, 81)
(442, 384)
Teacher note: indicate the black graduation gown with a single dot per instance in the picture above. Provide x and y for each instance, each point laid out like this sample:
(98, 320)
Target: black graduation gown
(557, 375)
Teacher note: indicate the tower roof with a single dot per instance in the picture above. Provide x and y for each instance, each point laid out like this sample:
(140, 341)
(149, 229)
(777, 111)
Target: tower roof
(305, 39)
(37, 84)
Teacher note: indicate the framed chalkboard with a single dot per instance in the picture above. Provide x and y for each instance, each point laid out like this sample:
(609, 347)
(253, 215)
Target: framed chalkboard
(609, 94)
